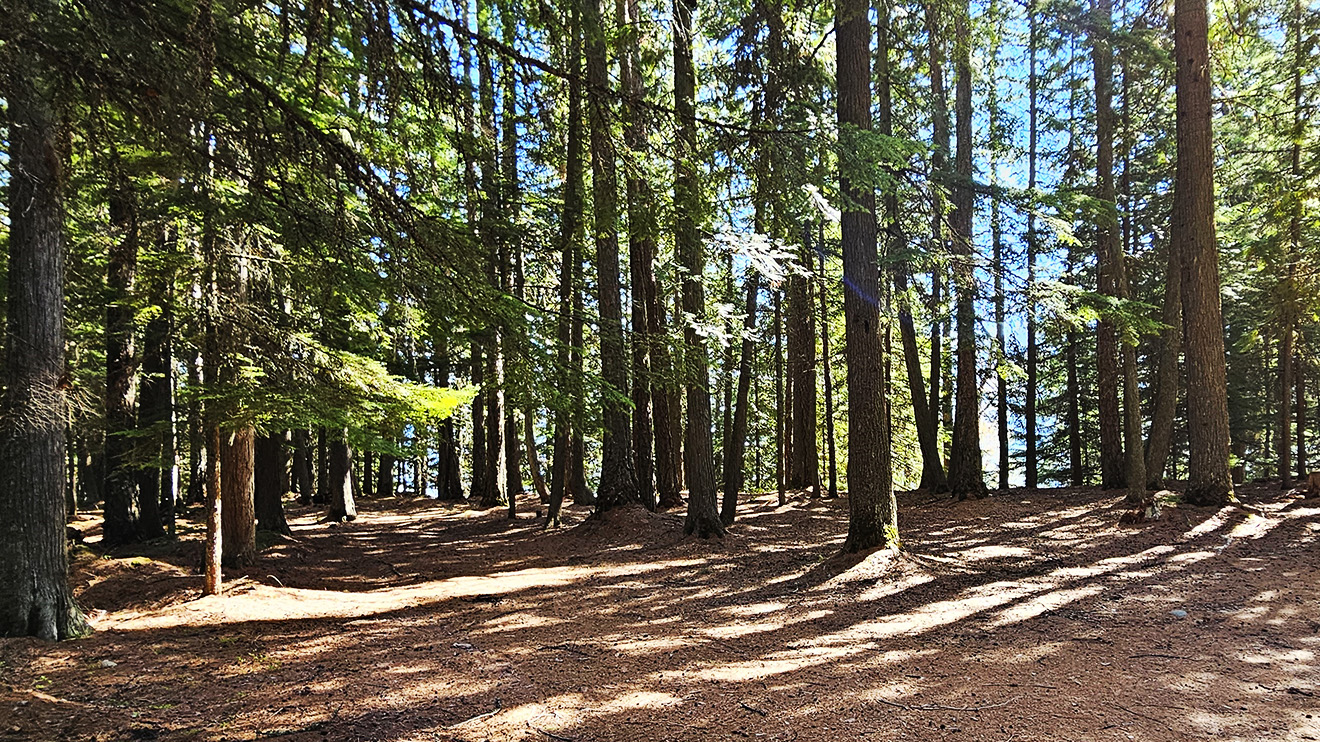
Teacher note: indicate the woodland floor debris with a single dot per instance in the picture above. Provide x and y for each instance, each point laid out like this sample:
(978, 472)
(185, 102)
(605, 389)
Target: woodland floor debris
(1024, 616)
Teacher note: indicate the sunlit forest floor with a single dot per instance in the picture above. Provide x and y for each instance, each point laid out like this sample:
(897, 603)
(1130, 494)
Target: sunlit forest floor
(1019, 617)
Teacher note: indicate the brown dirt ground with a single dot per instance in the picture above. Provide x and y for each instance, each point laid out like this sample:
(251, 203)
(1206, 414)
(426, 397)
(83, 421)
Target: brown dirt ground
(1018, 617)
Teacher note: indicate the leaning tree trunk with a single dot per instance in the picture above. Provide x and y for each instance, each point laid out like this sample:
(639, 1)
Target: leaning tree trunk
(34, 571)
(1209, 482)
(703, 518)
(1166, 383)
(735, 458)
(873, 513)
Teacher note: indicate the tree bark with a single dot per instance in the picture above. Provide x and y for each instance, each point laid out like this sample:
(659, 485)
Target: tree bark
(1194, 231)
(780, 427)
(703, 517)
(736, 456)
(34, 573)
(833, 491)
(618, 478)
(122, 514)
(269, 461)
(804, 461)
(238, 509)
(1166, 384)
(939, 105)
(965, 477)
(1108, 253)
(342, 507)
(873, 513)
(302, 466)
(155, 416)
(1033, 358)
(1301, 418)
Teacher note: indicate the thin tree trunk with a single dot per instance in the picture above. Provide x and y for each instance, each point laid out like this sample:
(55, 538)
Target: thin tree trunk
(1301, 418)
(1108, 254)
(387, 463)
(1166, 383)
(804, 464)
(1194, 231)
(533, 458)
(829, 379)
(1288, 320)
(302, 466)
(156, 413)
(779, 399)
(322, 495)
(736, 456)
(1033, 383)
(939, 105)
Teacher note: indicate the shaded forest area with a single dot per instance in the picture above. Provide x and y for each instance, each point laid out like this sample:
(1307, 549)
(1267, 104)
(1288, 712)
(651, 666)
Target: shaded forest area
(490, 369)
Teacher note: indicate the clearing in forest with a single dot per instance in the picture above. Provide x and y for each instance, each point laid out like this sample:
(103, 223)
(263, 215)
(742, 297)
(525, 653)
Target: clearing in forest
(1023, 617)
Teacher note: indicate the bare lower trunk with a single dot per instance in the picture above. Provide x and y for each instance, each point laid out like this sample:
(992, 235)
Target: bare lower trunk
(341, 506)
(269, 462)
(239, 520)
(736, 456)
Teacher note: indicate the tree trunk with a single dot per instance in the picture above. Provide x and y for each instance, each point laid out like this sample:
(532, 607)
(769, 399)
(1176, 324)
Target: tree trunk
(448, 480)
(1033, 384)
(34, 572)
(156, 416)
(302, 466)
(829, 380)
(1166, 383)
(238, 510)
(618, 478)
(939, 105)
(965, 463)
(1301, 418)
(804, 464)
(387, 463)
(703, 517)
(122, 514)
(478, 484)
(780, 427)
(1288, 295)
(736, 456)
(269, 461)
(1194, 231)
(322, 495)
(873, 513)
(342, 507)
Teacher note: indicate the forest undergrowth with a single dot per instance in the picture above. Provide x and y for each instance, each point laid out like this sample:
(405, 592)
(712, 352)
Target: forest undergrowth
(1022, 616)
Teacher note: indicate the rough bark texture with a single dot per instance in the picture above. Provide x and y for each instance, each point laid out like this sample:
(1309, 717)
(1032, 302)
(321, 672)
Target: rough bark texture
(384, 476)
(155, 417)
(939, 107)
(269, 462)
(703, 517)
(873, 514)
(618, 478)
(569, 265)
(1194, 231)
(965, 476)
(341, 506)
(832, 458)
(1301, 418)
(34, 570)
(238, 510)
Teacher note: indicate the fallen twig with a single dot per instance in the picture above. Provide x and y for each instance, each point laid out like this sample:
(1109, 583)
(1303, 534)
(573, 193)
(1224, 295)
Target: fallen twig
(752, 709)
(1156, 654)
(565, 648)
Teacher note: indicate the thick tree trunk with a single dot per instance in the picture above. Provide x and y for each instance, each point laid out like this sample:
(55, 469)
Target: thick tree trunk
(341, 506)
(385, 487)
(269, 462)
(1194, 231)
(122, 515)
(736, 456)
(703, 517)
(238, 509)
(965, 477)
(34, 573)
(618, 478)
(873, 513)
